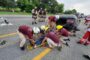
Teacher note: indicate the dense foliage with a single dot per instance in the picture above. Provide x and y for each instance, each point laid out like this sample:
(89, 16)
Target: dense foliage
(52, 6)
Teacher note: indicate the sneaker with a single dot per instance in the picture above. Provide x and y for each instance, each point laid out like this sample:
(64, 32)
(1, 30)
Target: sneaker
(22, 48)
(86, 44)
(79, 42)
(35, 22)
(67, 39)
(86, 56)
(67, 44)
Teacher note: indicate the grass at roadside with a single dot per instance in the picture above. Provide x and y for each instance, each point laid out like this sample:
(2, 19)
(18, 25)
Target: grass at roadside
(17, 13)
(14, 13)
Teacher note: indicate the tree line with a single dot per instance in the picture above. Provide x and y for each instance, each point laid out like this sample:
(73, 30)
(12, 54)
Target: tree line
(52, 6)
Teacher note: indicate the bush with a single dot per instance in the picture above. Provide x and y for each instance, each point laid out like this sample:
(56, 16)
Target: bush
(28, 8)
(10, 9)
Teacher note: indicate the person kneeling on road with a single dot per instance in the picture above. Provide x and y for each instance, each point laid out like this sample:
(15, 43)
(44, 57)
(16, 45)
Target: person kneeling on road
(52, 39)
(25, 33)
(63, 32)
(71, 26)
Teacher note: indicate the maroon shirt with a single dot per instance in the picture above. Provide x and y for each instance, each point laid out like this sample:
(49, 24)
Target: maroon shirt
(26, 30)
(63, 32)
(52, 36)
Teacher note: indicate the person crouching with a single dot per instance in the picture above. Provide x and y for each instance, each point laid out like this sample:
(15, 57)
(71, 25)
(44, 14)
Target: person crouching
(25, 33)
(63, 32)
(52, 39)
(86, 38)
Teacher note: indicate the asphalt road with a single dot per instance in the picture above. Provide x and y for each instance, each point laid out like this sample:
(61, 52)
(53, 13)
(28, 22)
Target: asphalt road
(11, 51)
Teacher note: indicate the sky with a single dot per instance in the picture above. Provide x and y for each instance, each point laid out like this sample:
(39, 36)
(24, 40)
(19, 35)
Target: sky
(80, 5)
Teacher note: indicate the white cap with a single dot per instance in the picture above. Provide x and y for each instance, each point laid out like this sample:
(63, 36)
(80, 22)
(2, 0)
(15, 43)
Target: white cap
(36, 30)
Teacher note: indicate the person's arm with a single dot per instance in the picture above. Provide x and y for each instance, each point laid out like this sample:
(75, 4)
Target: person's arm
(32, 41)
(70, 33)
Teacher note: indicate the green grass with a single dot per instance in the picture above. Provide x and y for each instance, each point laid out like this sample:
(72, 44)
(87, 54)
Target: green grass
(17, 13)
(51, 14)
(14, 13)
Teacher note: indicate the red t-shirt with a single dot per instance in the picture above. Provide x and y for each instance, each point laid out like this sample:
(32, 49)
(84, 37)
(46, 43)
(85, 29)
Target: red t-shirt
(63, 32)
(89, 36)
(52, 36)
(26, 30)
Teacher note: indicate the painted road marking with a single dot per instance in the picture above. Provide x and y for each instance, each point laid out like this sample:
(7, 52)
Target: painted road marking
(38, 57)
(42, 54)
(6, 35)
(3, 46)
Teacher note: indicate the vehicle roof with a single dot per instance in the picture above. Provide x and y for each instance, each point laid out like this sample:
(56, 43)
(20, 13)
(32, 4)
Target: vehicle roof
(68, 16)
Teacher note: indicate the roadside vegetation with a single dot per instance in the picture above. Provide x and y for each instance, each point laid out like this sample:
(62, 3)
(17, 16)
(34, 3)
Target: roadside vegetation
(25, 7)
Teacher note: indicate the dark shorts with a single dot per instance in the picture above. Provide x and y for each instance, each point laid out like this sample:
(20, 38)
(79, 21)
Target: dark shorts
(34, 16)
(42, 16)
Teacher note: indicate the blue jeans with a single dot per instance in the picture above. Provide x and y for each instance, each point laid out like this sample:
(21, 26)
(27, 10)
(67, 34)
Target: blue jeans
(39, 40)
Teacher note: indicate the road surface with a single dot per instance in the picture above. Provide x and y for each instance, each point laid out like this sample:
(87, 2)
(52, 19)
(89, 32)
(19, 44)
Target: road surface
(11, 51)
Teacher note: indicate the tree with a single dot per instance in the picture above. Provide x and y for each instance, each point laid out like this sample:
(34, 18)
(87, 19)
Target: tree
(28, 8)
(52, 6)
(73, 11)
(22, 4)
(8, 4)
(60, 8)
(68, 12)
